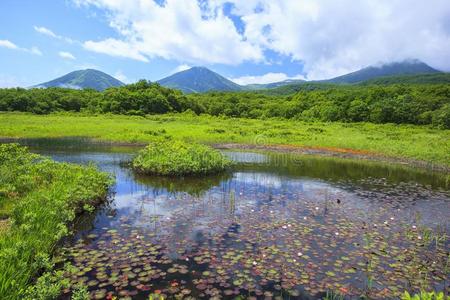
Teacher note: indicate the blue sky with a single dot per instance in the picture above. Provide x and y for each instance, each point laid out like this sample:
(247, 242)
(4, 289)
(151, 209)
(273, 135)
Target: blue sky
(245, 40)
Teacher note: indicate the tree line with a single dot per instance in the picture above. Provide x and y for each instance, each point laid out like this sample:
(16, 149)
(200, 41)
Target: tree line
(401, 103)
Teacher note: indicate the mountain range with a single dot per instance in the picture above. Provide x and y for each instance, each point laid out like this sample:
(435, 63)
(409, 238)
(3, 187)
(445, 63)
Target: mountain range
(201, 79)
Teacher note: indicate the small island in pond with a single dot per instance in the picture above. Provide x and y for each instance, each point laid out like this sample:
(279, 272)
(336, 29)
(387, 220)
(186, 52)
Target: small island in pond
(177, 158)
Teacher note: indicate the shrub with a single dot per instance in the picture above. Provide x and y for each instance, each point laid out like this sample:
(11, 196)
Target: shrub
(176, 158)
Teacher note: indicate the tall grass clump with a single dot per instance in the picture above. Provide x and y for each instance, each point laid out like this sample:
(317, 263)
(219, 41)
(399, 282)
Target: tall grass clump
(177, 158)
(40, 198)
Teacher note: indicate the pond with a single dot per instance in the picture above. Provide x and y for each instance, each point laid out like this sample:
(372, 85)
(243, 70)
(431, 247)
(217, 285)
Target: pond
(278, 226)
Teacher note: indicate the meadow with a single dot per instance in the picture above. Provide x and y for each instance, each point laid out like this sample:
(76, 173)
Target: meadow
(422, 143)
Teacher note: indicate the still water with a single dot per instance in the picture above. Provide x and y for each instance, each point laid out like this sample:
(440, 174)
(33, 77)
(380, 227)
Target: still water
(276, 226)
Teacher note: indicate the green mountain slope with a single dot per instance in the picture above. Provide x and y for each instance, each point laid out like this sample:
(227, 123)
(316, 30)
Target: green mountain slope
(83, 79)
(397, 68)
(272, 85)
(436, 78)
(198, 80)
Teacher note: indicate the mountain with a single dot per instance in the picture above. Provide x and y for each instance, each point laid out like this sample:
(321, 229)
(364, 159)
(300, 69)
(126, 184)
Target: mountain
(198, 80)
(83, 79)
(260, 86)
(406, 67)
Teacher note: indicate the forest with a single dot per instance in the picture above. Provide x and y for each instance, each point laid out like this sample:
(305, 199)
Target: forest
(420, 104)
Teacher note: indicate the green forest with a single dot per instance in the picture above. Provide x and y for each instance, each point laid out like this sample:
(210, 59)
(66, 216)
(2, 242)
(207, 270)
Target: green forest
(398, 103)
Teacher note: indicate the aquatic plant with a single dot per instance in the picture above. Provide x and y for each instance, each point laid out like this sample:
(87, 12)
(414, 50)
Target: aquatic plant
(426, 296)
(80, 293)
(43, 197)
(177, 158)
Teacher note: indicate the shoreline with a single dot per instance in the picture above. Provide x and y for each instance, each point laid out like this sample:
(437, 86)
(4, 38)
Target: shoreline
(344, 153)
(338, 153)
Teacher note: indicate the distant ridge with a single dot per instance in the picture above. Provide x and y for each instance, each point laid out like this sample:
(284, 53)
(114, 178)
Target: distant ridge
(198, 80)
(83, 79)
(259, 86)
(201, 79)
(407, 67)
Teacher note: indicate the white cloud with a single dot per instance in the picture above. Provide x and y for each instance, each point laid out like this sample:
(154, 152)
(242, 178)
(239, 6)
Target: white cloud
(120, 76)
(35, 50)
(117, 48)
(263, 79)
(66, 55)
(87, 66)
(182, 67)
(50, 33)
(334, 37)
(179, 30)
(330, 37)
(45, 31)
(10, 45)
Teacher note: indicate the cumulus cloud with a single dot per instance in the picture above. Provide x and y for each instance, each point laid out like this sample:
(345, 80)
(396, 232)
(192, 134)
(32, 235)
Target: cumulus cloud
(66, 55)
(335, 37)
(10, 45)
(180, 30)
(329, 37)
(263, 79)
(117, 48)
(50, 33)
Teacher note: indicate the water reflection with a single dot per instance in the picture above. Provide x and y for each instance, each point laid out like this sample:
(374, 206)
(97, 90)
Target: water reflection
(277, 223)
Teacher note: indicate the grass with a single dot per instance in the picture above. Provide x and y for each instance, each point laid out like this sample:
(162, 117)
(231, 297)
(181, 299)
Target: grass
(40, 198)
(177, 158)
(403, 141)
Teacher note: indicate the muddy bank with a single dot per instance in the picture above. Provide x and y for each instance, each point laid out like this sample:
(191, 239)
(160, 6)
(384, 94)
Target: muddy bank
(338, 152)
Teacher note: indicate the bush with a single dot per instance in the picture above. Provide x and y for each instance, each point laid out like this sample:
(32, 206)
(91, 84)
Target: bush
(176, 158)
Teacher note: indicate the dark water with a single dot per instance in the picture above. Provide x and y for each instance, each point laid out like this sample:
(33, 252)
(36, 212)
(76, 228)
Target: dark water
(277, 226)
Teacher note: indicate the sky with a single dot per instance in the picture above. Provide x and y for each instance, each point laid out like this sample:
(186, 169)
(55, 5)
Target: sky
(248, 41)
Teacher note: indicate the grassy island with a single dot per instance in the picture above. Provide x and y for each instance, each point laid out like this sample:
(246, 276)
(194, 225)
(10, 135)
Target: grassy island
(177, 158)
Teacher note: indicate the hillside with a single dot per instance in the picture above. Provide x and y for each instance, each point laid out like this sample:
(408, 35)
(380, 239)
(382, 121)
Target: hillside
(83, 79)
(272, 85)
(436, 78)
(407, 67)
(198, 80)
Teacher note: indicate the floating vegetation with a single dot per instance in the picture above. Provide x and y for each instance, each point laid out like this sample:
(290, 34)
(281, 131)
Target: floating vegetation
(263, 232)
(305, 248)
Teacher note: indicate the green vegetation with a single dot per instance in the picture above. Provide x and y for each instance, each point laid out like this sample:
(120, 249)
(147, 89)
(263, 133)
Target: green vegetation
(400, 104)
(41, 198)
(426, 296)
(436, 78)
(177, 158)
(416, 142)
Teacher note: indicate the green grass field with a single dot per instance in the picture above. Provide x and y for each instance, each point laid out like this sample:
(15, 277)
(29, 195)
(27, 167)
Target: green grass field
(404, 141)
